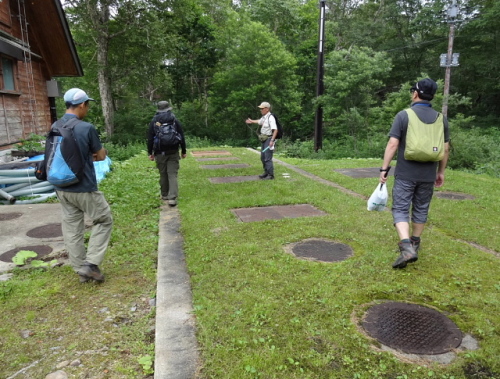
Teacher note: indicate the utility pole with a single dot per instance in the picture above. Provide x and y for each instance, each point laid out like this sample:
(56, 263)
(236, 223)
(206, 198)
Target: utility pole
(318, 120)
(449, 60)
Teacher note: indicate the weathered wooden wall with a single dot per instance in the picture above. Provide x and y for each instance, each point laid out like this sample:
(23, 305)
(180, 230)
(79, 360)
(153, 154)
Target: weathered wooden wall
(28, 112)
(26, 109)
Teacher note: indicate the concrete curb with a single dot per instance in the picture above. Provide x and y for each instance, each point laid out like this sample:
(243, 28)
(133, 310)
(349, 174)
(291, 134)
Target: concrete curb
(176, 348)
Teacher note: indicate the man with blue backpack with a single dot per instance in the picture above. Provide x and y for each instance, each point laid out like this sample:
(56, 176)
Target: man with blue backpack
(81, 196)
(165, 135)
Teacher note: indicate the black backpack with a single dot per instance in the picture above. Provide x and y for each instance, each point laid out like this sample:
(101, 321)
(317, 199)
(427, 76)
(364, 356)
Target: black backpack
(280, 127)
(166, 136)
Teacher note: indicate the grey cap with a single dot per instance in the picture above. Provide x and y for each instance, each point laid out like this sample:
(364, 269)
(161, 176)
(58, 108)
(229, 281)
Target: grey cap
(76, 96)
(164, 106)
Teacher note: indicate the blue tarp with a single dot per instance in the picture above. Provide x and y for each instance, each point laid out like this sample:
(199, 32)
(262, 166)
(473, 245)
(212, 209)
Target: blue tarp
(101, 167)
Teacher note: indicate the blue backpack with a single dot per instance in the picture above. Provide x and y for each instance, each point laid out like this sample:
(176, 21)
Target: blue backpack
(63, 161)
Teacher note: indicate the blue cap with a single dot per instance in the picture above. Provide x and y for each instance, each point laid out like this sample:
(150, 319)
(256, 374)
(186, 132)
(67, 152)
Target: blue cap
(76, 96)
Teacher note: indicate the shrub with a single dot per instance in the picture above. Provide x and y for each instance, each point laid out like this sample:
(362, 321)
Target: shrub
(122, 152)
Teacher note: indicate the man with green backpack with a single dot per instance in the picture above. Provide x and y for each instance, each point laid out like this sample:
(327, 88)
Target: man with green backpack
(420, 137)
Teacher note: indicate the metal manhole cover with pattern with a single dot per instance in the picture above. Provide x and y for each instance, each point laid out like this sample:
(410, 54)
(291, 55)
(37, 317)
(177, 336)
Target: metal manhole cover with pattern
(412, 328)
(46, 231)
(41, 250)
(9, 216)
(321, 250)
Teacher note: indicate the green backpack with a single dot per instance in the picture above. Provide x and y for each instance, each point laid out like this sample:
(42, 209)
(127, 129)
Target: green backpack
(424, 142)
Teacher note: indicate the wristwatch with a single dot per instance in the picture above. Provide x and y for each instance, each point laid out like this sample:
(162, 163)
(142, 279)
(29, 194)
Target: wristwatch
(384, 169)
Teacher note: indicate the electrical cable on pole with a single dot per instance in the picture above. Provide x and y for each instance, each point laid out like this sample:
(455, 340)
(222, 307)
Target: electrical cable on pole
(449, 59)
(318, 120)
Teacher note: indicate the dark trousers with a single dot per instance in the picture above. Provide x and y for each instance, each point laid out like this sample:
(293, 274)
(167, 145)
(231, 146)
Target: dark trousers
(266, 156)
(168, 165)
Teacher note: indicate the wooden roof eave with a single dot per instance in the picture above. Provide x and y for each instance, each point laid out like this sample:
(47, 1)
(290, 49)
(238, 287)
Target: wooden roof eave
(49, 27)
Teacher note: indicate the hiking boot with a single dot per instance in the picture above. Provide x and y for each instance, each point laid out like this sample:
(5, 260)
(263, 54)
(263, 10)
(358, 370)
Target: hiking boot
(269, 177)
(415, 244)
(84, 279)
(172, 202)
(91, 271)
(408, 255)
(264, 175)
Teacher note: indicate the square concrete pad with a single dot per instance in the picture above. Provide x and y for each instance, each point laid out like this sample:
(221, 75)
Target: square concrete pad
(277, 212)
(209, 153)
(234, 179)
(217, 166)
(369, 172)
(217, 159)
(14, 232)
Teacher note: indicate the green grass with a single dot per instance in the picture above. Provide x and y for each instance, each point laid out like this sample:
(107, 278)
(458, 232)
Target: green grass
(94, 323)
(260, 312)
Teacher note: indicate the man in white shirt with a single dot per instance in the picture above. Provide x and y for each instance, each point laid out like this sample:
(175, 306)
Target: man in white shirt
(268, 133)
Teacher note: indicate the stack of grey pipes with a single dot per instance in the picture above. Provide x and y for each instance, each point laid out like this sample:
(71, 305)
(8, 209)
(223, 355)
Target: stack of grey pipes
(18, 180)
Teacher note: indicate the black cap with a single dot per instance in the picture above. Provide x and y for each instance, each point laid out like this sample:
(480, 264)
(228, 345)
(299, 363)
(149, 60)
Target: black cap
(425, 87)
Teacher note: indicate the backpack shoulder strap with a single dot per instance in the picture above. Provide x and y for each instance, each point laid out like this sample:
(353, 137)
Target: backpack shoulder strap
(71, 123)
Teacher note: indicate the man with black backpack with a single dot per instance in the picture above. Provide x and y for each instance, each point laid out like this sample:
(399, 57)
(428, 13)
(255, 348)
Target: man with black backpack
(420, 137)
(268, 135)
(165, 135)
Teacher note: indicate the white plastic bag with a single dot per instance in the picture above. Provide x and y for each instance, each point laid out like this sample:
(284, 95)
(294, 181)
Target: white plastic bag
(378, 199)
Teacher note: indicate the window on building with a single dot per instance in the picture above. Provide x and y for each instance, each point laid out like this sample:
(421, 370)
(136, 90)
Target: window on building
(7, 74)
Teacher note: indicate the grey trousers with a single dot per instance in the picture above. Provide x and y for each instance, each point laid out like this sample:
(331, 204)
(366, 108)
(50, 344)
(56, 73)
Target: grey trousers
(267, 157)
(74, 206)
(168, 165)
(407, 194)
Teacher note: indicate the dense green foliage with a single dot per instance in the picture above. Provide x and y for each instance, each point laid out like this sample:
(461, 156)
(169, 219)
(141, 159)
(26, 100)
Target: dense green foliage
(215, 61)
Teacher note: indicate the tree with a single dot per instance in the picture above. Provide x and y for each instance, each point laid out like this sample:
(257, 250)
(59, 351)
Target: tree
(256, 67)
(352, 79)
(478, 76)
(101, 21)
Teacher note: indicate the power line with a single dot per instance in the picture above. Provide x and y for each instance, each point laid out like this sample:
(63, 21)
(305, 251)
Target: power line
(417, 44)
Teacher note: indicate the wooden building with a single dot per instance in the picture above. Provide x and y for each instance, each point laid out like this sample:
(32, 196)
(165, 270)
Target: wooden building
(35, 47)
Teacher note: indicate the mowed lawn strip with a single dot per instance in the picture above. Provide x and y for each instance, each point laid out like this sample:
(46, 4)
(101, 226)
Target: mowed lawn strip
(263, 313)
(474, 220)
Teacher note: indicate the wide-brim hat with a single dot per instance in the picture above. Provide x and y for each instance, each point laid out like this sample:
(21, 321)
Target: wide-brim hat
(164, 106)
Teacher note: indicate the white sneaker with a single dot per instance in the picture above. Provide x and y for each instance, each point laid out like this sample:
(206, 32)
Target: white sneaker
(172, 203)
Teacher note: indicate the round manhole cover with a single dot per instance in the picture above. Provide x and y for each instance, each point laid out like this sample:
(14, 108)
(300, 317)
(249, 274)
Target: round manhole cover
(46, 231)
(41, 250)
(9, 216)
(453, 195)
(321, 250)
(411, 328)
